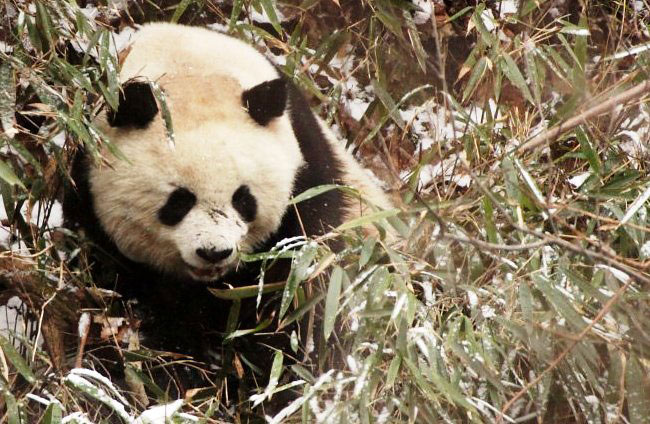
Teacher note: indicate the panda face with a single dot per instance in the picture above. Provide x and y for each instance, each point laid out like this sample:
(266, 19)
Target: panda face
(187, 210)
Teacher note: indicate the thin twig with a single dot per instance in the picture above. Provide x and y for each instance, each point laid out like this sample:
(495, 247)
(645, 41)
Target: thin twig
(626, 96)
(493, 246)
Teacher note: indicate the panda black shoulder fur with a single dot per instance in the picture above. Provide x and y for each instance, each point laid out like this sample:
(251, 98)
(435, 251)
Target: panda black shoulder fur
(246, 141)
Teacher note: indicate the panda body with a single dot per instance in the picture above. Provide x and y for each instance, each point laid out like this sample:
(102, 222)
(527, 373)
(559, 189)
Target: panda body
(170, 218)
(245, 142)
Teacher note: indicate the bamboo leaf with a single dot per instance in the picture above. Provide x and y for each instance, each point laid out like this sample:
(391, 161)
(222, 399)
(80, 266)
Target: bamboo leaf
(7, 174)
(12, 410)
(83, 385)
(276, 370)
(393, 369)
(388, 102)
(234, 14)
(476, 76)
(512, 72)
(180, 9)
(166, 114)
(244, 292)
(261, 326)
(302, 309)
(366, 251)
(368, 219)
(589, 152)
(53, 414)
(299, 271)
(332, 301)
(638, 391)
(313, 192)
(269, 8)
(416, 43)
(7, 99)
(638, 203)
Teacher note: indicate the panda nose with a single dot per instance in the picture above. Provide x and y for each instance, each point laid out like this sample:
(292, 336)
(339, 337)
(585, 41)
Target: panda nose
(213, 255)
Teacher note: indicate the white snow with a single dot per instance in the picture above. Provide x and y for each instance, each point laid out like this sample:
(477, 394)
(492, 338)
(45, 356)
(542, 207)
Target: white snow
(508, 7)
(84, 324)
(14, 325)
(577, 180)
(424, 12)
(159, 414)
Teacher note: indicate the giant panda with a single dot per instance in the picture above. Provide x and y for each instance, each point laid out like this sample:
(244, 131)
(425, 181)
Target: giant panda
(176, 212)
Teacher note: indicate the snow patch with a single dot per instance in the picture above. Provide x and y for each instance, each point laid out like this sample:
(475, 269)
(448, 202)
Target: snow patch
(578, 180)
(424, 12)
(508, 7)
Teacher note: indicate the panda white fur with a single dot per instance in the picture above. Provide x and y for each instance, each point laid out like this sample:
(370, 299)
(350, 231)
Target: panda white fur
(245, 143)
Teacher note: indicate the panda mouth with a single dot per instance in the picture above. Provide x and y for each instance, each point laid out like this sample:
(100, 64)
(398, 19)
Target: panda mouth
(205, 274)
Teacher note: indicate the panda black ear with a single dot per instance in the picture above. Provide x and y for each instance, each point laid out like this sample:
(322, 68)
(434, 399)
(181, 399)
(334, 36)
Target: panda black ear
(137, 106)
(266, 100)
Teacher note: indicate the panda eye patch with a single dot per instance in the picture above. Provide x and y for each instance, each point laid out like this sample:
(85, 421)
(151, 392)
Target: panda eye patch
(244, 203)
(178, 204)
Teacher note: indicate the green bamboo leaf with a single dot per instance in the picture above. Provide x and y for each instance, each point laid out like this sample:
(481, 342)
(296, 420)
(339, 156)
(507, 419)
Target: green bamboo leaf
(393, 369)
(558, 64)
(109, 67)
(534, 72)
(81, 384)
(477, 18)
(261, 326)
(560, 302)
(387, 17)
(159, 94)
(638, 391)
(299, 271)
(32, 31)
(475, 77)
(512, 72)
(444, 387)
(460, 13)
(302, 309)
(244, 292)
(528, 7)
(133, 376)
(45, 25)
(12, 410)
(416, 43)
(7, 174)
(368, 219)
(386, 117)
(586, 148)
(269, 8)
(8, 200)
(53, 414)
(7, 99)
(328, 48)
(332, 301)
(233, 316)
(72, 74)
(18, 362)
(488, 215)
(366, 251)
(276, 370)
(234, 14)
(636, 205)
(388, 102)
(313, 192)
(532, 185)
(180, 9)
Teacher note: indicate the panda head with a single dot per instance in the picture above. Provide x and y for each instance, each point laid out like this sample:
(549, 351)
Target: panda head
(223, 187)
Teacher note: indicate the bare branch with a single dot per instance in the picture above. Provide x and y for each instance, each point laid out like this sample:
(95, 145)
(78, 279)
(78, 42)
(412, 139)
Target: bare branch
(626, 96)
